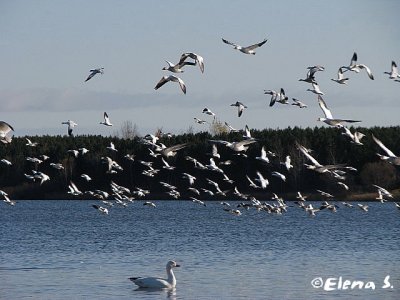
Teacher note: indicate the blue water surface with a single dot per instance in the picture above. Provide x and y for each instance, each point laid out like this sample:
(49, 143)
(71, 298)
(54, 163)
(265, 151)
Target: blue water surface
(68, 250)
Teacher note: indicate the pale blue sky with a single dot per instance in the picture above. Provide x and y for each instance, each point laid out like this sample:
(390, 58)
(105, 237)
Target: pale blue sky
(47, 48)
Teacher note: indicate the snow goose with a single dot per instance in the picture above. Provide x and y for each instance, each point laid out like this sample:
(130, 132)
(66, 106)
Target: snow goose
(355, 137)
(30, 143)
(207, 111)
(71, 124)
(247, 50)
(298, 103)
(277, 96)
(156, 282)
(6, 162)
(199, 121)
(315, 89)
(363, 207)
(112, 147)
(263, 181)
(150, 204)
(4, 129)
(310, 77)
(355, 67)
(176, 68)
(340, 77)
(172, 150)
(106, 121)
(240, 106)
(279, 175)
(328, 115)
(94, 72)
(394, 72)
(390, 157)
(263, 157)
(197, 58)
(172, 78)
(86, 177)
(101, 209)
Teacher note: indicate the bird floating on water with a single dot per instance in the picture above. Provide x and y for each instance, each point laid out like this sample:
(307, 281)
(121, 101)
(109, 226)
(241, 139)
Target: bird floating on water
(156, 282)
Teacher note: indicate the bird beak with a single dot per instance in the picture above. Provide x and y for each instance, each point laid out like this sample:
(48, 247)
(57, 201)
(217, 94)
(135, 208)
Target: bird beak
(177, 266)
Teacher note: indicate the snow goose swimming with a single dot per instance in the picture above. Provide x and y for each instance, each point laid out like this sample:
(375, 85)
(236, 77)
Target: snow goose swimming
(106, 121)
(390, 157)
(355, 67)
(4, 129)
(240, 106)
(197, 58)
(172, 78)
(340, 77)
(328, 115)
(298, 103)
(394, 72)
(94, 72)
(156, 282)
(247, 50)
(71, 124)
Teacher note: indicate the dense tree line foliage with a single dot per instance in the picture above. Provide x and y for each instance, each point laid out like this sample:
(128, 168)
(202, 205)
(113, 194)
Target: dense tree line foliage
(328, 144)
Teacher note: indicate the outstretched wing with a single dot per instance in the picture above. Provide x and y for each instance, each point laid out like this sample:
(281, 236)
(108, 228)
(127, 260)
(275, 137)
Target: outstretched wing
(251, 47)
(230, 43)
(324, 108)
(384, 148)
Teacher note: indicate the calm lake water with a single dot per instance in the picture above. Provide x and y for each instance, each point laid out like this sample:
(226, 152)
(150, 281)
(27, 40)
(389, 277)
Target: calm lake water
(68, 250)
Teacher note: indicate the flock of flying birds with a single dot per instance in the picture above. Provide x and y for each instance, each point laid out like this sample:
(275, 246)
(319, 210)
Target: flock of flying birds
(121, 195)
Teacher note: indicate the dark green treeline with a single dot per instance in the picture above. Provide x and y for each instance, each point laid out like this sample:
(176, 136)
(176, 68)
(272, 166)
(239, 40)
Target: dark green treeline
(328, 144)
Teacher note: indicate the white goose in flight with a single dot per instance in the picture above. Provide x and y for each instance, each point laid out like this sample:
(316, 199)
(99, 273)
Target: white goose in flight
(240, 106)
(355, 137)
(328, 115)
(247, 50)
(71, 124)
(197, 58)
(298, 103)
(315, 89)
(106, 121)
(390, 157)
(394, 72)
(355, 67)
(207, 111)
(172, 78)
(178, 67)
(5, 128)
(94, 72)
(340, 77)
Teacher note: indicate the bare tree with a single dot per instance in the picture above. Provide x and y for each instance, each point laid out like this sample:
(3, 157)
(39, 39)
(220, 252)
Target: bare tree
(127, 131)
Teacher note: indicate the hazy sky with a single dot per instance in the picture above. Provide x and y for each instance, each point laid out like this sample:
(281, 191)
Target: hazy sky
(48, 47)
